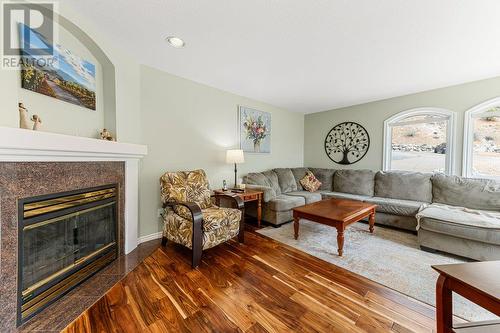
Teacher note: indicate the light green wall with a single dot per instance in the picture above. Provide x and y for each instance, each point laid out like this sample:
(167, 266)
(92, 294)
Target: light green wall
(187, 125)
(372, 115)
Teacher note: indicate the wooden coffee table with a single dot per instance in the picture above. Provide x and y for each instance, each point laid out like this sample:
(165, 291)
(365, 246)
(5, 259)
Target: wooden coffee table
(338, 213)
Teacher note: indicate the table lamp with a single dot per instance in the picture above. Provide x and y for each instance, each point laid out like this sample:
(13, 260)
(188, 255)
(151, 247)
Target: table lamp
(235, 156)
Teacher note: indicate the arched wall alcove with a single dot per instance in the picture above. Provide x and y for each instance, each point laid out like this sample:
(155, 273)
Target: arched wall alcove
(105, 94)
(108, 70)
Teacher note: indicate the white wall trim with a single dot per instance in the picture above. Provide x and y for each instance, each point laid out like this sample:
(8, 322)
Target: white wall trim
(16, 141)
(19, 145)
(153, 236)
(450, 134)
(469, 137)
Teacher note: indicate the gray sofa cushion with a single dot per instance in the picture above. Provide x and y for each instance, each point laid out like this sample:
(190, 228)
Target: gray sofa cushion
(465, 192)
(459, 246)
(298, 174)
(462, 230)
(286, 180)
(340, 195)
(396, 206)
(272, 178)
(285, 202)
(361, 182)
(325, 176)
(404, 185)
(310, 197)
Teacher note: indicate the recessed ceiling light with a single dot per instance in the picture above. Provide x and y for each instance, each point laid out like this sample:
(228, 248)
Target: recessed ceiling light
(176, 42)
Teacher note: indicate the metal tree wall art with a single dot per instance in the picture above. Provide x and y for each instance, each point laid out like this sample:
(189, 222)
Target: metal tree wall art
(347, 143)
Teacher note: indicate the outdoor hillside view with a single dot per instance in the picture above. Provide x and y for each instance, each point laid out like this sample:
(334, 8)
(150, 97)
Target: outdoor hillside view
(419, 147)
(487, 146)
(422, 147)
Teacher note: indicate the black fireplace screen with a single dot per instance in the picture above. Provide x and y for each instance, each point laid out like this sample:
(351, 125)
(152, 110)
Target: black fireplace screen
(63, 239)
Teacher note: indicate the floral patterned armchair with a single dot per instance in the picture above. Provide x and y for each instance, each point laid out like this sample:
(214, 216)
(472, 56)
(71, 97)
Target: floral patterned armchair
(191, 219)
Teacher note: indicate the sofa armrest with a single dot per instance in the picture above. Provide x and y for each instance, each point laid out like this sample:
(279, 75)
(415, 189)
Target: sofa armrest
(269, 193)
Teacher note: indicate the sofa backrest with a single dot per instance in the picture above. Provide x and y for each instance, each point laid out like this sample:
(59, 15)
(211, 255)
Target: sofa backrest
(286, 180)
(361, 182)
(262, 179)
(404, 185)
(325, 176)
(466, 192)
(273, 180)
(267, 178)
(298, 174)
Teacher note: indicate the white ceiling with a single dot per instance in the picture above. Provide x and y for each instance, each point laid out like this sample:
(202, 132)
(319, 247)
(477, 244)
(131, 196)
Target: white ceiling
(310, 55)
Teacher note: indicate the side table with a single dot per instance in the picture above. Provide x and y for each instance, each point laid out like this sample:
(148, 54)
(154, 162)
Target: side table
(479, 282)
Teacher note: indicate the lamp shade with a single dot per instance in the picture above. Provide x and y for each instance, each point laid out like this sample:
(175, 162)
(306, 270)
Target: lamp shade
(235, 156)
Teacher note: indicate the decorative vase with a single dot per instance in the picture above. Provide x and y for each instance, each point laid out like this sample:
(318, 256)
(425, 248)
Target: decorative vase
(256, 146)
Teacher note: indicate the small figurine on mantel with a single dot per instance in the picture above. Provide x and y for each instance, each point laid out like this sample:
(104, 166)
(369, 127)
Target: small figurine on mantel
(23, 117)
(37, 122)
(106, 135)
(24, 120)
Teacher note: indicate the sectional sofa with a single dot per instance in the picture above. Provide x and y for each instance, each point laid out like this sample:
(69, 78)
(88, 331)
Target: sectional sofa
(450, 214)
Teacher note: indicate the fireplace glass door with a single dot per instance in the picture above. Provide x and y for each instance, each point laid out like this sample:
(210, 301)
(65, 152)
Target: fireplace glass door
(53, 246)
(64, 238)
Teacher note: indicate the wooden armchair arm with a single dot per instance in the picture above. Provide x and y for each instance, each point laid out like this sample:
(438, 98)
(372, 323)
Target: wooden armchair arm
(194, 208)
(197, 216)
(236, 199)
(241, 207)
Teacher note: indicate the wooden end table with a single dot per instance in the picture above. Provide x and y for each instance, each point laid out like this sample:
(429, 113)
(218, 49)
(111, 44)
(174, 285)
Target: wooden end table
(249, 196)
(338, 213)
(479, 282)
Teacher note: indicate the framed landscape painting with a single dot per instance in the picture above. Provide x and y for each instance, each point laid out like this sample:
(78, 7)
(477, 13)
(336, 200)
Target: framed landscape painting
(255, 130)
(67, 77)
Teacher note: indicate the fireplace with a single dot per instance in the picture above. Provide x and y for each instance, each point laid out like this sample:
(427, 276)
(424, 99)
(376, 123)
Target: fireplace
(64, 238)
(34, 163)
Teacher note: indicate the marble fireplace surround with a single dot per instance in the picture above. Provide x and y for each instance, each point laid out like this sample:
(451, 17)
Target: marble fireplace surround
(35, 163)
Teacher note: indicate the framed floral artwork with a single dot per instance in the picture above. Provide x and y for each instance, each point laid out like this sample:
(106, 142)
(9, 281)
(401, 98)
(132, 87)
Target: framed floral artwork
(255, 130)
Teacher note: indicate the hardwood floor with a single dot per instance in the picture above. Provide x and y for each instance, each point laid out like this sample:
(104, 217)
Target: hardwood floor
(259, 286)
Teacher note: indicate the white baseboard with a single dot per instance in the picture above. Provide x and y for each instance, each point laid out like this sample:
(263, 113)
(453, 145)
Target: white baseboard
(147, 238)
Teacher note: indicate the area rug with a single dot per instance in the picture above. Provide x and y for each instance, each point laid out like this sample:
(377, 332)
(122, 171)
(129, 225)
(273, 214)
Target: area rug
(389, 257)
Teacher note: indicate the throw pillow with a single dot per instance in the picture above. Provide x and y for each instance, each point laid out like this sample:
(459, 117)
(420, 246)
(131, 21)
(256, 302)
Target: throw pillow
(309, 182)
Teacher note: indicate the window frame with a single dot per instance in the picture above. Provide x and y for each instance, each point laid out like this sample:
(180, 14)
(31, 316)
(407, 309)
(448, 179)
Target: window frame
(450, 117)
(468, 148)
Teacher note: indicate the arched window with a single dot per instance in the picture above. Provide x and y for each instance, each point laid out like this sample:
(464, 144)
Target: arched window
(481, 157)
(420, 140)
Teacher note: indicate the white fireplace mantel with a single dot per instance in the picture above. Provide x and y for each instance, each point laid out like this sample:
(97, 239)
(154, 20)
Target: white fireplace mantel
(20, 145)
